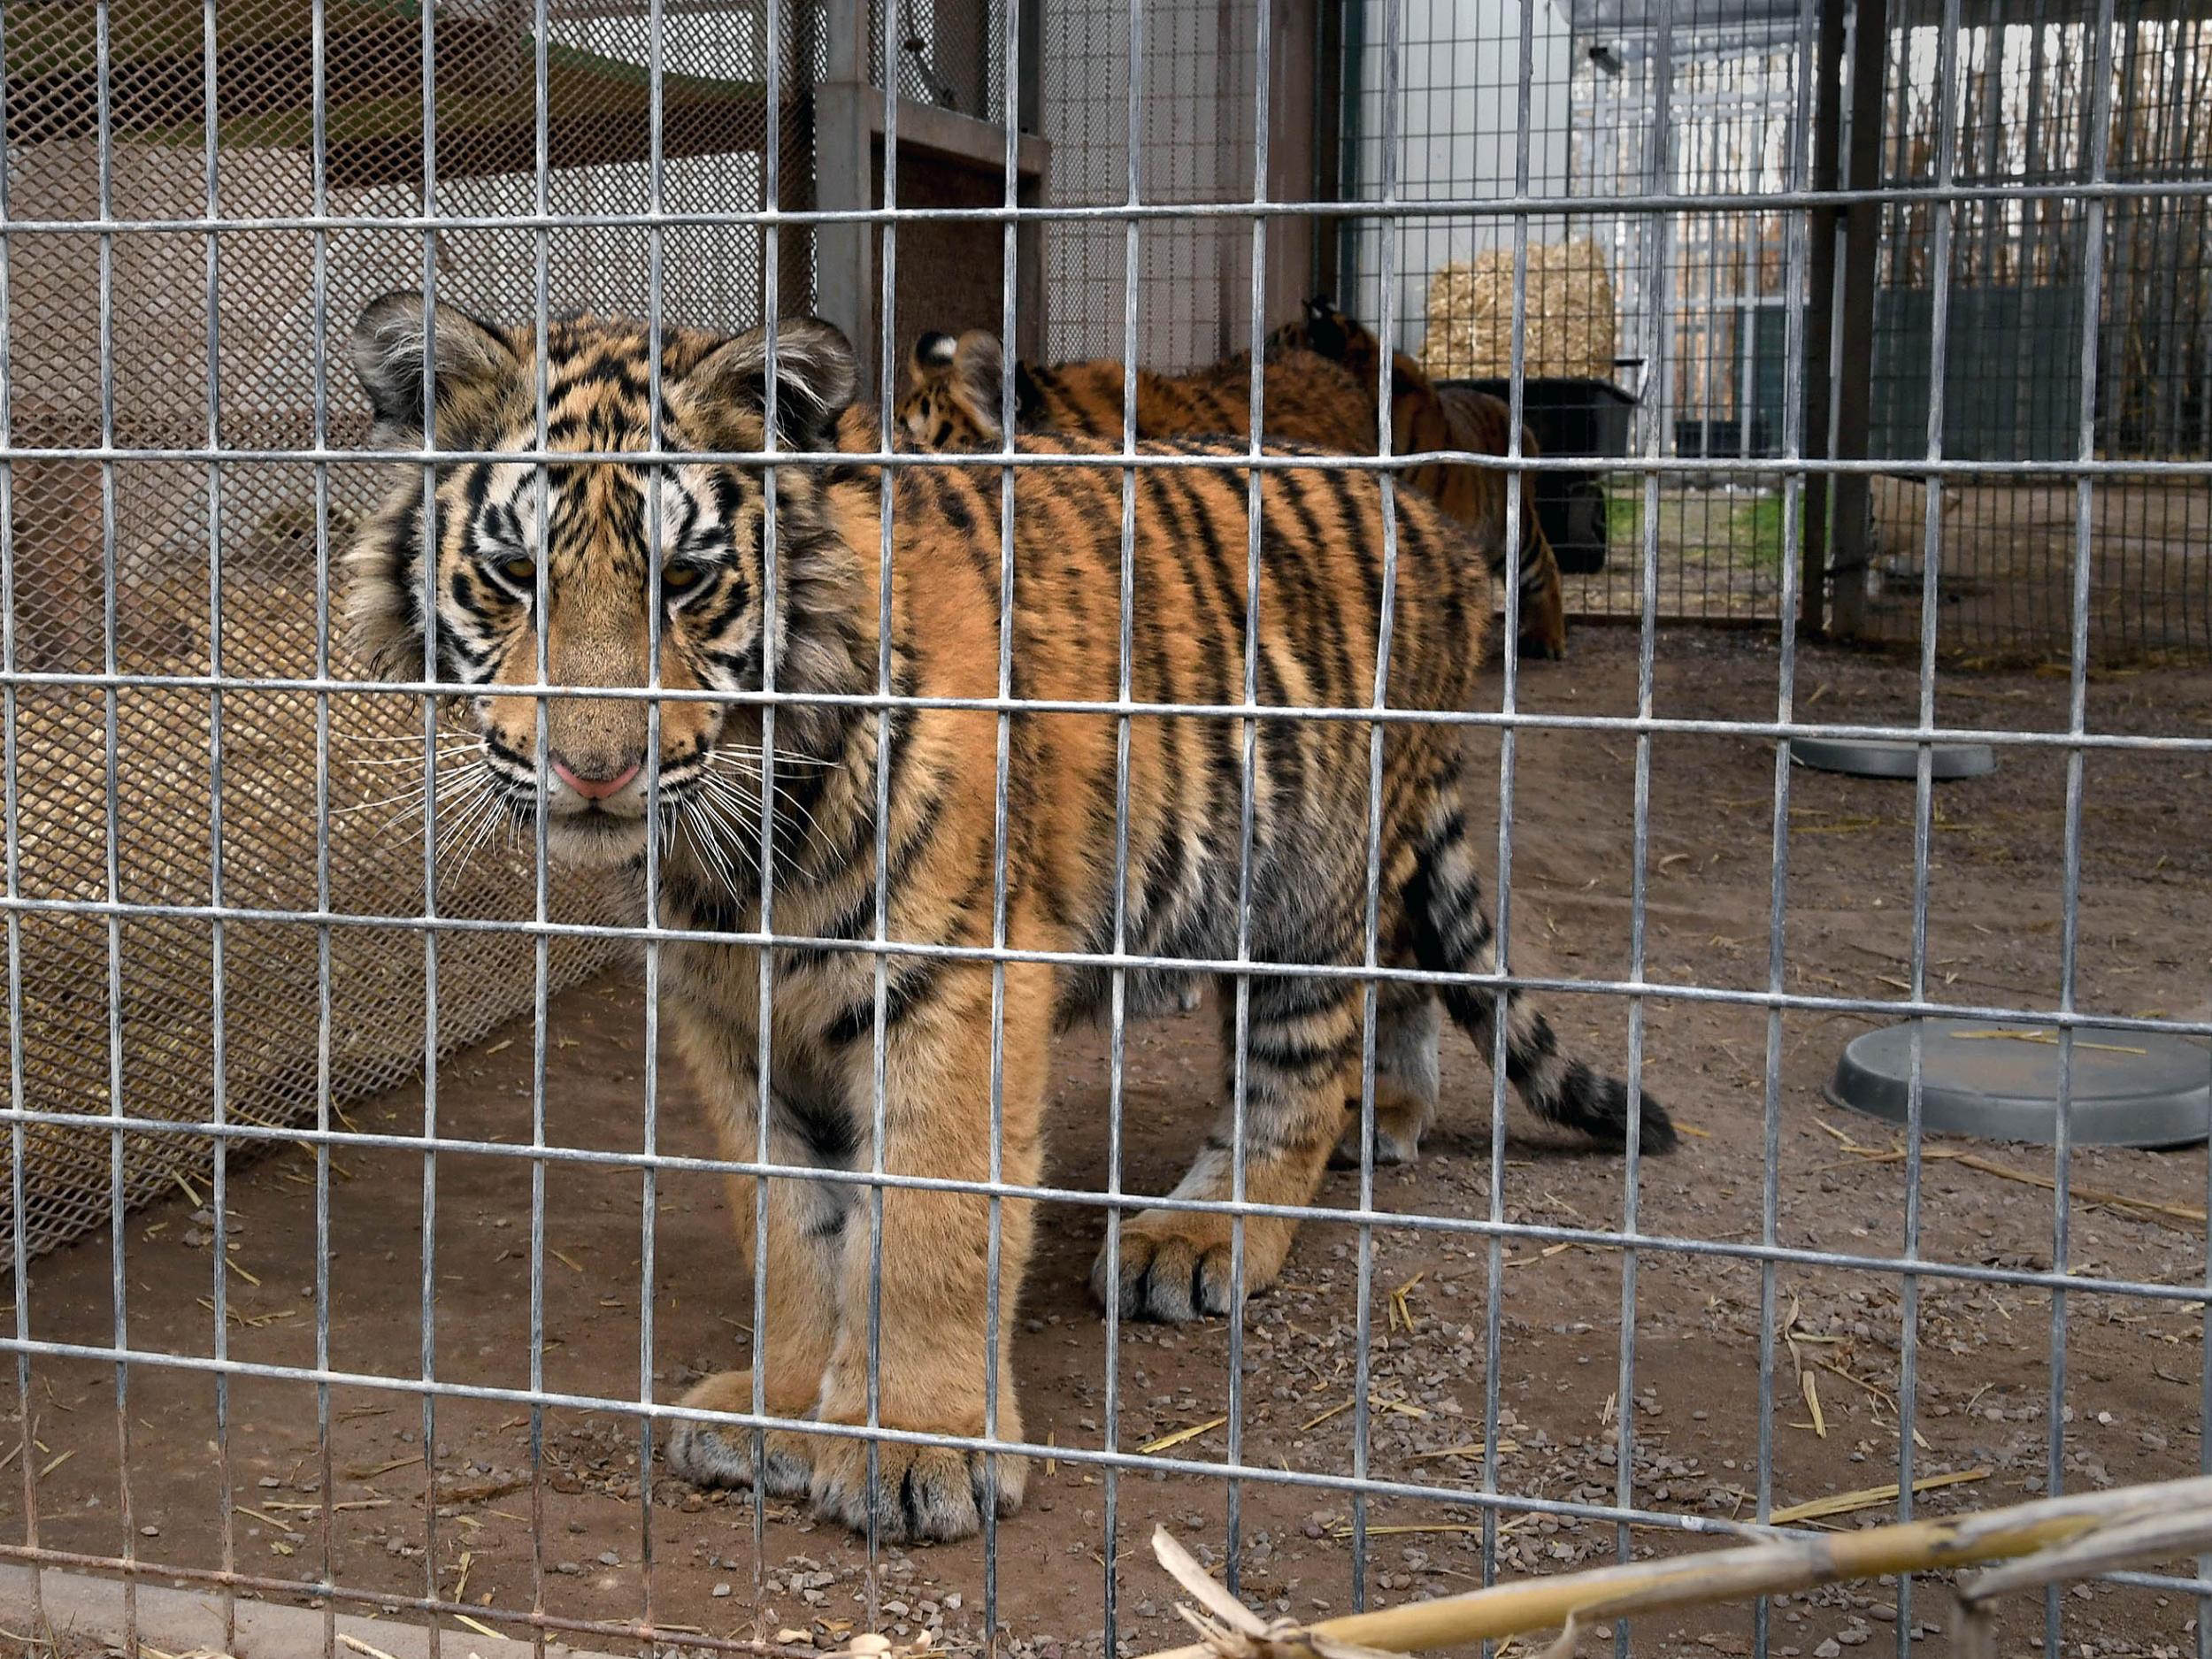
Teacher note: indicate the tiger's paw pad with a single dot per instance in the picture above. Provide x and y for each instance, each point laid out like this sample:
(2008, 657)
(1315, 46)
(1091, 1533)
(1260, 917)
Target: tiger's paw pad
(918, 1493)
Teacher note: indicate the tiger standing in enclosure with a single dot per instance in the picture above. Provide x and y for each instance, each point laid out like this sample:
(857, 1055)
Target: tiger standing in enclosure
(587, 578)
(1319, 386)
(1425, 417)
(953, 400)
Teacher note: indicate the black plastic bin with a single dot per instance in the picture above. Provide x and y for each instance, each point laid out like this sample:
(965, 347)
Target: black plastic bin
(1572, 418)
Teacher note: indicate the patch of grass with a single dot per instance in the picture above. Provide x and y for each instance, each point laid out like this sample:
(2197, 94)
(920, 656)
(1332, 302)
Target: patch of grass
(1624, 518)
(1758, 532)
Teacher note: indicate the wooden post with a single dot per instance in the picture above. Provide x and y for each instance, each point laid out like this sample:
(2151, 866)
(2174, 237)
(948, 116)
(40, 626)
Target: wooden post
(1863, 229)
(1328, 143)
(1825, 225)
(1296, 148)
(938, 149)
(844, 263)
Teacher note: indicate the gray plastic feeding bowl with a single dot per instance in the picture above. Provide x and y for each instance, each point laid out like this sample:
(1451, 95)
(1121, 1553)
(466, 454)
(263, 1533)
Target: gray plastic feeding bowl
(2131, 1088)
(1884, 758)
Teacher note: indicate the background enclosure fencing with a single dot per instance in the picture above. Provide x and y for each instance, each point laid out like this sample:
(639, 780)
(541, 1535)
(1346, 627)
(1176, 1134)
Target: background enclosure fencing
(1703, 298)
(227, 933)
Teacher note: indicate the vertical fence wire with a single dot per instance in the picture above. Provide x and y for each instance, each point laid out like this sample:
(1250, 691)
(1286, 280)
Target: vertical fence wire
(1516, 482)
(10, 759)
(657, 840)
(1118, 1005)
(771, 199)
(218, 1071)
(887, 494)
(319, 279)
(1248, 783)
(431, 613)
(1793, 488)
(2078, 709)
(995, 1216)
(542, 767)
(1922, 834)
(112, 827)
(771, 602)
(1658, 239)
(1377, 736)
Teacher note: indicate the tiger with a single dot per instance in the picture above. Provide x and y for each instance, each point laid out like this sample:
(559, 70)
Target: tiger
(1426, 416)
(1001, 878)
(955, 395)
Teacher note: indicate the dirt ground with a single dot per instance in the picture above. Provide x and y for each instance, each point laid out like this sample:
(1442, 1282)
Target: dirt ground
(2134, 1367)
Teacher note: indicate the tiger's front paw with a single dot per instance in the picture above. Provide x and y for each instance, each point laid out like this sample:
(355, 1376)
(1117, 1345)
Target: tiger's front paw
(918, 1493)
(1399, 1126)
(711, 1455)
(1543, 648)
(1176, 1265)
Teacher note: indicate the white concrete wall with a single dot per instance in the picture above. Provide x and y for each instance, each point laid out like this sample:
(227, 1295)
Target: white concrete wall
(1456, 131)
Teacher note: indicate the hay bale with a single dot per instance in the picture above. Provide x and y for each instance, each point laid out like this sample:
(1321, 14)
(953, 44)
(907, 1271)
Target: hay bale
(1571, 327)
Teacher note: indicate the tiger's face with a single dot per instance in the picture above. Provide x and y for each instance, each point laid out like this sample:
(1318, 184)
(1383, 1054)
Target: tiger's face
(953, 393)
(566, 563)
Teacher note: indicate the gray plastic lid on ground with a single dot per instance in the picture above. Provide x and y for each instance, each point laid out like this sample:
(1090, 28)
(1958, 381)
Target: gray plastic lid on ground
(1999, 1081)
(1887, 757)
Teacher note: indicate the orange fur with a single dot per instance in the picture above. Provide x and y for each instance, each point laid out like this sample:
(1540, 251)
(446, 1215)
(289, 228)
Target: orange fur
(955, 394)
(1425, 416)
(1319, 389)
(959, 1104)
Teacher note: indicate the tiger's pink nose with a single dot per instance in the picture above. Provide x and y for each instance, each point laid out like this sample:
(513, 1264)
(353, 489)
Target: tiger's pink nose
(593, 788)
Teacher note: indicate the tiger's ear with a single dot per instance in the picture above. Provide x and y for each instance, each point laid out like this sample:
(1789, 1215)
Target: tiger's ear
(1326, 329)
(934, 353)
(815, 380)
(471, 363)
(980, 361)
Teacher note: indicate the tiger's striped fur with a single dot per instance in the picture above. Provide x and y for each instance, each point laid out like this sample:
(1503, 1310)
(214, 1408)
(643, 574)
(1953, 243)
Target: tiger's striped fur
(955, 395)
(1425, 417)
(721, 631)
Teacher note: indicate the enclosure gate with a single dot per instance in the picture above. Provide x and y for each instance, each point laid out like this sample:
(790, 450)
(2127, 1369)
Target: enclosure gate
(220, 945)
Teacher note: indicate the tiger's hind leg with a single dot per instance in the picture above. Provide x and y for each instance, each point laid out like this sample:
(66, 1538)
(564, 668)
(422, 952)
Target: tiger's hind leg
(1543, 595)
(1409, 1022)
(1443, 902)
(1176, 1263)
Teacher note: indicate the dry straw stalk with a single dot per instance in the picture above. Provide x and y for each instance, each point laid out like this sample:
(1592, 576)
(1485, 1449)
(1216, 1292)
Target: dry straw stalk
(1773, 1566)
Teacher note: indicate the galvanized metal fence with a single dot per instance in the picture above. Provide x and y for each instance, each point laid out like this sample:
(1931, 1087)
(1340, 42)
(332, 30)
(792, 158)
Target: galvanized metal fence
(577, 197)
(2022, 101)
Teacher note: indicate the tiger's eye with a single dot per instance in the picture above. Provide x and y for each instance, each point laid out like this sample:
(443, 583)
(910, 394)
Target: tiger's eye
(520, 570)
(680, 579)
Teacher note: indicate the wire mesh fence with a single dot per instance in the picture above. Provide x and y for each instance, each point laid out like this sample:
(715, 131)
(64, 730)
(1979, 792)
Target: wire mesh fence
(585, 610)
(2022, 107)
